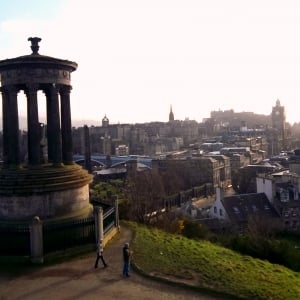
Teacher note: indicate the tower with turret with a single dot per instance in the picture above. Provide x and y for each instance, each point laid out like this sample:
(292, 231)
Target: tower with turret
(278, 119)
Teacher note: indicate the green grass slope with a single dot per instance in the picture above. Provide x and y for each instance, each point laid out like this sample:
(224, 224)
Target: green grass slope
(208, 266)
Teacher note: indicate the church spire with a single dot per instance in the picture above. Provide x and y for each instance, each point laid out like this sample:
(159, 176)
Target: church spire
(171, 115)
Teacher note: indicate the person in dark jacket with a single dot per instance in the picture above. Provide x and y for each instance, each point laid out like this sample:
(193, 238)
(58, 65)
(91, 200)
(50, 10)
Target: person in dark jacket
(126, 259)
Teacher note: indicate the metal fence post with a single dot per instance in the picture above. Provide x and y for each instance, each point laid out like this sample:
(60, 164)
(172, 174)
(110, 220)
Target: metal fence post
(115, 199)
(101, 234)
(36, 241)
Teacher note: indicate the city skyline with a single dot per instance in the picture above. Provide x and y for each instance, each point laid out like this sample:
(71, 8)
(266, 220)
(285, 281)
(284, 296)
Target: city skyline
(138, 58)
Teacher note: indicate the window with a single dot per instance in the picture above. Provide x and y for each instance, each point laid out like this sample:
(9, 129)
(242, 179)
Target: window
(294, 225)
(254, 208)
(221, 212)
(215, 209)
(236, 210)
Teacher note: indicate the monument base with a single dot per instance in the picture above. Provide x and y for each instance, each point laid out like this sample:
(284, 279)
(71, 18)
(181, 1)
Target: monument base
(53, 192)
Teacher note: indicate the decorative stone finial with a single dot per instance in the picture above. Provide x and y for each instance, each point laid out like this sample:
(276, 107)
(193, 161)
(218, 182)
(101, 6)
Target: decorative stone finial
(34, 44)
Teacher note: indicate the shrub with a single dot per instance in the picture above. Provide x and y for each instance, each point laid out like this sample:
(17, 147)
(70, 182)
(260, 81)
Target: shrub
(192, 229)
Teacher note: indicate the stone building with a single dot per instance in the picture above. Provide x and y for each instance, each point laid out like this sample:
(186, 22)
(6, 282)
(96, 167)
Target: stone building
(283, 191)
(225, 169)
(195, 171)
(235, 211)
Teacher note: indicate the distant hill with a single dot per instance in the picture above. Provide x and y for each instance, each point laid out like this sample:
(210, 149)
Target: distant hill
(80, 123)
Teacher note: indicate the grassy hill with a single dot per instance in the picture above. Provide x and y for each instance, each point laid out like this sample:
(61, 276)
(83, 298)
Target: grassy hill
(210, 267)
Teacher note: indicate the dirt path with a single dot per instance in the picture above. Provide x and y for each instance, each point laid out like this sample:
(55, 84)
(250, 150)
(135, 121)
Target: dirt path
(77, 279)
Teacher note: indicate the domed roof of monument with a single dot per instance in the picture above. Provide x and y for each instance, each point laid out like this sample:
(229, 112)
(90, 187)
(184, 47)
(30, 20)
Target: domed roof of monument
(36, 60)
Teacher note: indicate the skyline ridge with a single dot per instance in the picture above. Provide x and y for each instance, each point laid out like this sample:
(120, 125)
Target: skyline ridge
(80, 122)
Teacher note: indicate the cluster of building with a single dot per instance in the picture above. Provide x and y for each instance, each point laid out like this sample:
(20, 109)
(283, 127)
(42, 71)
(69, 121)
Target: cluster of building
(222, 129)
(214, 151)
(276, 200)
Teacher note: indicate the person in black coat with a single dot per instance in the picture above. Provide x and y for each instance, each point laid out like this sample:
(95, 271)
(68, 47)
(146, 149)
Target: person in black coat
(126, 259)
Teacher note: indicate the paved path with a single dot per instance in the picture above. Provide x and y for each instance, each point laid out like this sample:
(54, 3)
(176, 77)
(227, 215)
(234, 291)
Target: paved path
(77, 279)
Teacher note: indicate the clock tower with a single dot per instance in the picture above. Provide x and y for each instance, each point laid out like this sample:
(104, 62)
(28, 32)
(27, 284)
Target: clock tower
(279, 125)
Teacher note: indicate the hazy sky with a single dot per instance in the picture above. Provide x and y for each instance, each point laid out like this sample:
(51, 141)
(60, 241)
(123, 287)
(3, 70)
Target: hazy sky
(136, 58)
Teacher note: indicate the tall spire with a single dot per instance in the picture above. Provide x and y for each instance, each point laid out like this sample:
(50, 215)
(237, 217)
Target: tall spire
(171, 115)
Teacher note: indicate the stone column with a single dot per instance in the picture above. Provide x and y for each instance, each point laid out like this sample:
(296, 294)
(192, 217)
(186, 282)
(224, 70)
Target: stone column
(33, 125)
(53, 125)
(36, 241)
(98, 213)
(11, 151)
(5, 124)
(66, 125)
(87, 149)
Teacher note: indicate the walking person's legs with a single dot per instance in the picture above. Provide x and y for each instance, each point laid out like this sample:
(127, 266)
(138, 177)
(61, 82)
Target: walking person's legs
(103, 261)
(96, 262)
(126, 269)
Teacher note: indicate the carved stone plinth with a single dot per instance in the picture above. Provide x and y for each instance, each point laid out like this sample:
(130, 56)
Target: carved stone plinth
(47, 193)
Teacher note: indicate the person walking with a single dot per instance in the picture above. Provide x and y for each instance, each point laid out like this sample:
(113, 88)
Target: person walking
(100, 256)
(126, 259)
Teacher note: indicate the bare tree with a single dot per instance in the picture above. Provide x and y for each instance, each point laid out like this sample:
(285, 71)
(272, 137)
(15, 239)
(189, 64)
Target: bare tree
(262, 227)
(144, 192)
(172, 181)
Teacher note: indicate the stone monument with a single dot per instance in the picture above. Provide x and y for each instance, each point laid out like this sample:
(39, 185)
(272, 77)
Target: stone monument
(51, 188)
